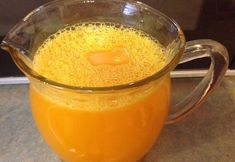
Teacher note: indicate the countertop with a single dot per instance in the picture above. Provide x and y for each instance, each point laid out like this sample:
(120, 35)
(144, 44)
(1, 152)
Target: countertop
(207, 135)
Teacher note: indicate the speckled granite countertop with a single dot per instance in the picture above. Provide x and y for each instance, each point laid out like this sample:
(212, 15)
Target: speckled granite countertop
(208, 135)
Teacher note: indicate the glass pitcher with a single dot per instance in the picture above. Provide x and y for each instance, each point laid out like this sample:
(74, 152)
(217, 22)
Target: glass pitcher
(120, 131)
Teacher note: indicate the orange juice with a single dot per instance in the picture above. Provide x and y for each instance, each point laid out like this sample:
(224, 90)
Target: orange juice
(116, 126)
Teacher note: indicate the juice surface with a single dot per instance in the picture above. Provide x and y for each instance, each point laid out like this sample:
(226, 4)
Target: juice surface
(115, 127)
(83, 55)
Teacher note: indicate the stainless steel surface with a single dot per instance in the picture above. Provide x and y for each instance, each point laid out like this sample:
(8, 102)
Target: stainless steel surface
(195, 73)
(207, 135)
(14, 80)
(174, 74)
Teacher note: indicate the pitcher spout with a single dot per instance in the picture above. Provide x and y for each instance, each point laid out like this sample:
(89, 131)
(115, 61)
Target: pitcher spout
(13, 50)
(5, 46)
(19, 55)
(9, 46)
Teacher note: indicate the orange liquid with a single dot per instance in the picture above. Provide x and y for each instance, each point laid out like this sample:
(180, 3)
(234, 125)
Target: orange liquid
(118, 135)
(113, 127)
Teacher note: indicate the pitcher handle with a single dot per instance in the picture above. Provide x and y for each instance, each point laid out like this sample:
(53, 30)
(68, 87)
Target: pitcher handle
(219, 63)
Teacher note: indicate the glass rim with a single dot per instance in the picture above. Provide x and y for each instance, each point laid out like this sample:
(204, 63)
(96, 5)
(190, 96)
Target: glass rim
(33, 74)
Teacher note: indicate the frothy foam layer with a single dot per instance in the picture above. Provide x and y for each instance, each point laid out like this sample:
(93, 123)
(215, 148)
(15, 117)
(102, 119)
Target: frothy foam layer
(65, 57)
